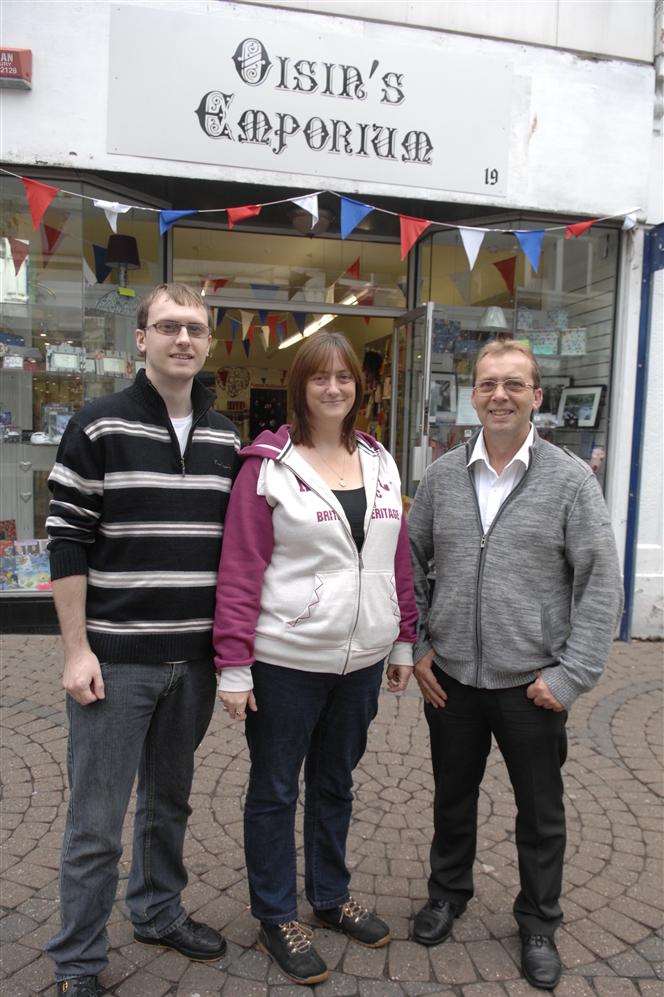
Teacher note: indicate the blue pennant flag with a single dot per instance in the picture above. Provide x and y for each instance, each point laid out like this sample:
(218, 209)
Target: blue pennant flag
(246, 346)
(300, 319)
(220, 317)
(264, 290)
(101, 270)
(235, 327)
(262, 316)
(531, 244)
(167, 219)
(352, 213)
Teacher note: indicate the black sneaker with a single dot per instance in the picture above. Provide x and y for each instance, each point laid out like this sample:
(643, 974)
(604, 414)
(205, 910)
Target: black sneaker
(290, 946)
(357, 922)
(196, 941)
(79, 986)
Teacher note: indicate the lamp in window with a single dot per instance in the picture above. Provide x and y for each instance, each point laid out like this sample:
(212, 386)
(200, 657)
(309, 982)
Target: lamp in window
(493, 319)
(121, 252)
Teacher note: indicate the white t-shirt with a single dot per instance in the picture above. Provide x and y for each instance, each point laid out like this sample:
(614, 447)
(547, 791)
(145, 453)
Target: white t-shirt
(182, 427)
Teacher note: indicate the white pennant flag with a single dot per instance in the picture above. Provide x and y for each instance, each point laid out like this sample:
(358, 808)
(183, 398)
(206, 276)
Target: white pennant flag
(112, 209)
(246, 322)
(472, 239)
(308, 203)
(88, 273)
(630, 221)
(265, 336)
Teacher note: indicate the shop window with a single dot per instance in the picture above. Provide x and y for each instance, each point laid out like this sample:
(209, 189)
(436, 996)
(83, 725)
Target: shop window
(66, 336)
(564, 312)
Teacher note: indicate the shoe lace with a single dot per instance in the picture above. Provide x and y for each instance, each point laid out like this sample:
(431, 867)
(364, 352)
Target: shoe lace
(354, 911)
(297, 936)
(540, 940)
(86, 986)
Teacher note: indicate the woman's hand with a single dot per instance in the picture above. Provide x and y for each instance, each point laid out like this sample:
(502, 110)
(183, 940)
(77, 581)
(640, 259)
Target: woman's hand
(235, 703)
(398, 677)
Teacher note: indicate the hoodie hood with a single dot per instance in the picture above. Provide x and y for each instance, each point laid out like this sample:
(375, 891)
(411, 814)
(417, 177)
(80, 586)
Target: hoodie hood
(273, 445)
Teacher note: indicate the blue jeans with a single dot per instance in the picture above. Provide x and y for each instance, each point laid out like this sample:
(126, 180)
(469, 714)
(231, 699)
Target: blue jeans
(152, 720)
(321, 720)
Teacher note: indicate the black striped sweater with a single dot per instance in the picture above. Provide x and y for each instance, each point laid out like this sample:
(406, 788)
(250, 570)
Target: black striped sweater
(143, 521)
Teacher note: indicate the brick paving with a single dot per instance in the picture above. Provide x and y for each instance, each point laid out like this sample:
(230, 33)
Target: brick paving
(611, 942)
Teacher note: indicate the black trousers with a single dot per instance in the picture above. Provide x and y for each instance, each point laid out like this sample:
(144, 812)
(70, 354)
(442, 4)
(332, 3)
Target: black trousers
(533, 743)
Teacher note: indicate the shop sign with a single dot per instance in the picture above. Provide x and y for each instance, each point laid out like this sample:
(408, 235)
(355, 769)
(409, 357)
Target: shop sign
(280, 96)
(16, 68)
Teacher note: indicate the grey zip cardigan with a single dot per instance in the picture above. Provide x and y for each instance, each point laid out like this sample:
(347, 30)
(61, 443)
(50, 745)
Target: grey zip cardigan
(540, 590)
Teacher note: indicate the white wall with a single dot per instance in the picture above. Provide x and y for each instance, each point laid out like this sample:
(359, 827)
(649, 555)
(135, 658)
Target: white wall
(579, 129)
(622, 28)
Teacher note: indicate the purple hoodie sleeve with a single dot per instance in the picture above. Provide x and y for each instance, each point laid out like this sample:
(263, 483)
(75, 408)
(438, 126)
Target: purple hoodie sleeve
(245, 554)
(403, 576)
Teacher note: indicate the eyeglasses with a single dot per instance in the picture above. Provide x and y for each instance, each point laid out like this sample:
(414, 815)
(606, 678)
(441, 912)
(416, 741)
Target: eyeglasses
(513, 385)
(195, 330)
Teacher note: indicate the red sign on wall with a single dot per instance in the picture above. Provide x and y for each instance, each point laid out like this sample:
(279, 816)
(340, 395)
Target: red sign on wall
(16, 68)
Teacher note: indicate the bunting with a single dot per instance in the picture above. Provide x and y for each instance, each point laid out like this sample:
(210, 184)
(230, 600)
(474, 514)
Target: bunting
(236, 215)
(229, 346)
(281, 331)
(300, 319)
(50, 238)
(88, 273)
(472, 239)
(630, 221)
(220, 316)
(235, 327)
(39, 197)
(219, 282)
(531, 244)
(578, 228)
(462, 282)
(353, 270)
(246, 318)
(411, 230)
(273, 322)
(101, 270)
(112, 209)
(19, 249)
(507, 270)
(265, 336)
(308, 203)
(352, 213)
(246, 346)
(167, 219)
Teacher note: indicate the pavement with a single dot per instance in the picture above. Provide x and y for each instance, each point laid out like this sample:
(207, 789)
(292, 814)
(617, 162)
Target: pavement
(611, 942)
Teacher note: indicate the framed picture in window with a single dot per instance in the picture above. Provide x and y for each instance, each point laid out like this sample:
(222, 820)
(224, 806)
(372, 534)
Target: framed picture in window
(443, 398)
(579, 406)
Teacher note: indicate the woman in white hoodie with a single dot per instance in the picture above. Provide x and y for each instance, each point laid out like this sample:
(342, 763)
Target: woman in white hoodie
(315, 592)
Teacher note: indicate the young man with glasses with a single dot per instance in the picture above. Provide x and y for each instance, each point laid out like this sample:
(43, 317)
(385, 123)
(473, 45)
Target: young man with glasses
(140, 488)
(528, 593)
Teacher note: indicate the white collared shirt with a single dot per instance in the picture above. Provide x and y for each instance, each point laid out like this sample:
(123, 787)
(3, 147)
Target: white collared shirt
(492, 489)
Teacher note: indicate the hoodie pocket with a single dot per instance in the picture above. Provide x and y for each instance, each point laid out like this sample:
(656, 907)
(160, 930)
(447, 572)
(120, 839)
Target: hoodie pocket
(379, 618)
(327, 615)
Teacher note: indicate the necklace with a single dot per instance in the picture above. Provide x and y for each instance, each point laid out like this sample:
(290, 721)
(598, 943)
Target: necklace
(340, 477)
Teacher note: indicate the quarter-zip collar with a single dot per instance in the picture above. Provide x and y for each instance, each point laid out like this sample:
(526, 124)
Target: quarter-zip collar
(145, 392)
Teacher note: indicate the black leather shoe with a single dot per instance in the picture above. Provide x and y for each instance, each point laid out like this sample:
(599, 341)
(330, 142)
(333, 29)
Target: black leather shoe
(434, 922)
(196, 941)
(357, 922)
(79, 986)
(540, 962)
(290, 946)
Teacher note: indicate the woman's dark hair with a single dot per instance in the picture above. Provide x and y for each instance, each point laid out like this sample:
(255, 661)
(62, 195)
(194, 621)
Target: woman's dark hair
(317, 354)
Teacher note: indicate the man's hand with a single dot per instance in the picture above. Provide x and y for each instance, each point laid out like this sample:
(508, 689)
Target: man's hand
(82, 677)
(425, 678)
(235, 703)
(542, 696)
(398, 677)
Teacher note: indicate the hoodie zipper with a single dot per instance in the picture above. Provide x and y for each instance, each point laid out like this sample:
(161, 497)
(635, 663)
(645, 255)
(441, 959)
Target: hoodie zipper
(480, 563)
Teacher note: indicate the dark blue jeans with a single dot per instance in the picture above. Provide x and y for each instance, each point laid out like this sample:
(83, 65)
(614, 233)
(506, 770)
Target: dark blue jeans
(152, 720)
(321, 720)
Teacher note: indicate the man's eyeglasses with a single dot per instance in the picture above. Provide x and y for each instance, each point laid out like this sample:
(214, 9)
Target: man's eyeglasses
(195, 330)
(514, 385)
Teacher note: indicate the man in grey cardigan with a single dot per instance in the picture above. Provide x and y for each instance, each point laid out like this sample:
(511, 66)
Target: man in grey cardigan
(528, 593)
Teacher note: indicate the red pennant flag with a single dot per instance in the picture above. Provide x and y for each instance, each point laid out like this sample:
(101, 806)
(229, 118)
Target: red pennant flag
(229, 346)
(219, 282)
(236, 215)
(507, 270)
(250, 334)
(368, 300)
(578, 228)
(39, 197)
(353, 270)
(411, 230)
(272, 322)
(19, 250)
(50, 239)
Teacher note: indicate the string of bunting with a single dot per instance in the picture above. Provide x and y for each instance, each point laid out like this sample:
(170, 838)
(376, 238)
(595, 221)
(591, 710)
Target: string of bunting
(353, 212)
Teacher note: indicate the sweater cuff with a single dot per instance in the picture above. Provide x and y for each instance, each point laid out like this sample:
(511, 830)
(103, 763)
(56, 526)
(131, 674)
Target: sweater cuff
(236, 679)
(421, 648)
(67, 559)
(401, 654)
(560, 685)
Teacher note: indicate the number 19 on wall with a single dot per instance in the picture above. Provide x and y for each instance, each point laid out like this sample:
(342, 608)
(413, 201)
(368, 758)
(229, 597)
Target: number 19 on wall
(490, 177)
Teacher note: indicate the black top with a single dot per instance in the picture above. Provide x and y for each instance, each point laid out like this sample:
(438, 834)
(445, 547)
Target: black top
(354, 504)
